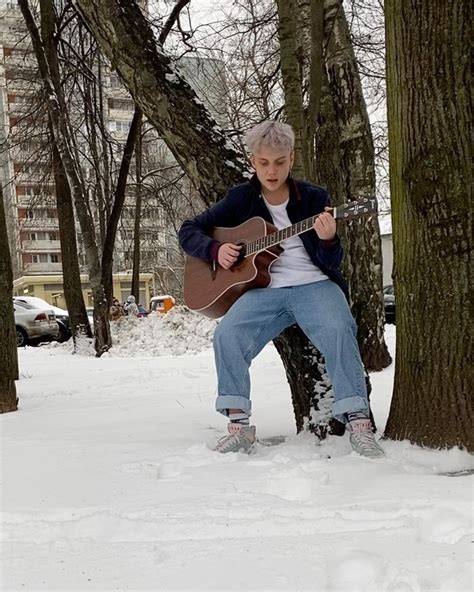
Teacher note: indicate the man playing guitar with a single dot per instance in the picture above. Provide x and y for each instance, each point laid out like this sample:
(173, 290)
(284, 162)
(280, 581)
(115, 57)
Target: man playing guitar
(305, 287)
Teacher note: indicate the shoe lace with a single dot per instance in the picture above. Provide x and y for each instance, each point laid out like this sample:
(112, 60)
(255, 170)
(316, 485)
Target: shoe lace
(365, 438)
(228, 440)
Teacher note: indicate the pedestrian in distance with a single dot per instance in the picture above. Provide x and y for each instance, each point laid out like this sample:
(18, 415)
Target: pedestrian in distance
(130, 307)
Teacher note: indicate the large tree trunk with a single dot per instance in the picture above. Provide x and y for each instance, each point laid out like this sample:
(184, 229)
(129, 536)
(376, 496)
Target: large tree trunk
(361, 240)
(8, 350)
(343, 129)
(429, 115)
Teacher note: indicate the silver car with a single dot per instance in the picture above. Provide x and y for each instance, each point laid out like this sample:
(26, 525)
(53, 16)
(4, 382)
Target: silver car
(34, 324)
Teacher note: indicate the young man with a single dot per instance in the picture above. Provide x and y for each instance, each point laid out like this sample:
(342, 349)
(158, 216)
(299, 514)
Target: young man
(306, 288)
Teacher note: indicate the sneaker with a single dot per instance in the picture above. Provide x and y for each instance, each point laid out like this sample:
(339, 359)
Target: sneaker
(241, 437)
(362, 439)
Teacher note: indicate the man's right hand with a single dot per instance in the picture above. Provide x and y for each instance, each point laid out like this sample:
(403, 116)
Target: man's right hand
(228, 254)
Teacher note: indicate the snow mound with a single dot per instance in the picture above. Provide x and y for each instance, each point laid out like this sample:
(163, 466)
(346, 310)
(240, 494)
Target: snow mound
(178, 332)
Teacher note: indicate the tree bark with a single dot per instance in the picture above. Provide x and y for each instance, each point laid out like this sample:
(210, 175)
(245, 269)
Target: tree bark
(138, 215)
(8, 349)
(429, 115)
(361, 239)
(291, 69)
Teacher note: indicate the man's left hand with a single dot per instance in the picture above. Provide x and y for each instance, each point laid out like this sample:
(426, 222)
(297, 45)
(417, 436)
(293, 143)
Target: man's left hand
(325, 225)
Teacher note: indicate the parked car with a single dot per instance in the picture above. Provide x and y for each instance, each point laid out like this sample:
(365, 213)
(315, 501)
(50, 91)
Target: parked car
(62, 316)
(34, 324)
(389, 304)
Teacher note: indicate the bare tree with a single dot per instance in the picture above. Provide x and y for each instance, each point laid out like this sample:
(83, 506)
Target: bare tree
(62, 135)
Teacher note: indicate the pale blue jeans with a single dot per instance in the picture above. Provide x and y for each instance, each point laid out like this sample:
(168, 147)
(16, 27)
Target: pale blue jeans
(260, 315)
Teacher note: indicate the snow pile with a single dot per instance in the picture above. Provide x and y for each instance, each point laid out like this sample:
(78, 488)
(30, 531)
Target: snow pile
(178, 332)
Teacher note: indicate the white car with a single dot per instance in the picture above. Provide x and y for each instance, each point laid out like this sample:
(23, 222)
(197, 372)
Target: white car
(62, 316)
(34, 324)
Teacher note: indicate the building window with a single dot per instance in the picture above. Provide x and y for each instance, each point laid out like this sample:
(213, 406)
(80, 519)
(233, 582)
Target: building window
(121, 104)
(33, 236)
(54, 258)
(119, 126)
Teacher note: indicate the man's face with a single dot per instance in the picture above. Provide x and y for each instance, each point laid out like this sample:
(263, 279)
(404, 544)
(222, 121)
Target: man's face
(272, 167)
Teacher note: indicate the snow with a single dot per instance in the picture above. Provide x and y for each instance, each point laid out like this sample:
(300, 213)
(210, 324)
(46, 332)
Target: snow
(108, 482)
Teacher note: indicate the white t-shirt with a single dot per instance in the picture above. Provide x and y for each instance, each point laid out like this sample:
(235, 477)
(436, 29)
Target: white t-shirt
(294, 266)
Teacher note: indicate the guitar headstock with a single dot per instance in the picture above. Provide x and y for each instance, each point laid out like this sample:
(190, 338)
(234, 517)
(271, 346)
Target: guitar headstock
(366, 206)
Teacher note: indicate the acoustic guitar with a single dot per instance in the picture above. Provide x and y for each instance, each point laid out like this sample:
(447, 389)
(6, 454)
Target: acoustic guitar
(211, 290)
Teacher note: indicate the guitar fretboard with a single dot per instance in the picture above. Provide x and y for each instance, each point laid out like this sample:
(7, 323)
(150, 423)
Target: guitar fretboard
(270, 240)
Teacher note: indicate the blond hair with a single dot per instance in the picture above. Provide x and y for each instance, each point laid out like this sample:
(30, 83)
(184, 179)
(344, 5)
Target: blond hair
(272, 134)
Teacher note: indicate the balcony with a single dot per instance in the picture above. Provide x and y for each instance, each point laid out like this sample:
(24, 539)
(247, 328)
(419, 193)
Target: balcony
(40, 200)
(41, 245)
(39, 223)
(40, 268)
(116, 92)
(22, 178)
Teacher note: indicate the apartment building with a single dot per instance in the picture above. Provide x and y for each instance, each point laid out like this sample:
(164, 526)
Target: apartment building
(26, 172)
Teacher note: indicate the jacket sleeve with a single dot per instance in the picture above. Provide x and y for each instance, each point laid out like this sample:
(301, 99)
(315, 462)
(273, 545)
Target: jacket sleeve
(330, 252)
(194, 234)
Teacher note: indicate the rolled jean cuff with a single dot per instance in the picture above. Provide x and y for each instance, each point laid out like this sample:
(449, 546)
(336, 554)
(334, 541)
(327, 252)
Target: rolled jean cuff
(226, 402)
(349, 405)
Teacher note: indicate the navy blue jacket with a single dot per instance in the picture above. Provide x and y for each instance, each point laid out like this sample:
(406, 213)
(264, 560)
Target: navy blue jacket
(243, 202)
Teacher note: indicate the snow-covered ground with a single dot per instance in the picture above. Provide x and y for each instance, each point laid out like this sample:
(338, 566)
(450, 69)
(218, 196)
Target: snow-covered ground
(108, 482)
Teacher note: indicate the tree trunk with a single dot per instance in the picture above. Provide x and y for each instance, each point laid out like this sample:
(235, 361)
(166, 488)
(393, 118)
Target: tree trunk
(303, 33)
(361, 239)
(119, 200)
(67, 227)
(429, 114)
(8, 349)
(67, 234)
(138, 215)
(291, 69)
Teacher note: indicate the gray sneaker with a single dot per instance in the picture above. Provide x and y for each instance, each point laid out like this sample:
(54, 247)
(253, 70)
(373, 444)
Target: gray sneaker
(241, 437)
(362, 439)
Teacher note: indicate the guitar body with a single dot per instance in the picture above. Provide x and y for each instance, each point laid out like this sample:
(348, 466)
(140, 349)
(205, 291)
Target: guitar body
(211, 290)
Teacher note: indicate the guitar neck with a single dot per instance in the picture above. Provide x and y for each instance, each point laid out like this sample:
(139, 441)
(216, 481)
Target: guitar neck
(355, 209)
(270, 240)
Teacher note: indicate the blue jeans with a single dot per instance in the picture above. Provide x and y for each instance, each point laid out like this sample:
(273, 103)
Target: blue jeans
(260, 315)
